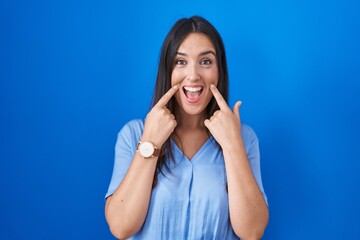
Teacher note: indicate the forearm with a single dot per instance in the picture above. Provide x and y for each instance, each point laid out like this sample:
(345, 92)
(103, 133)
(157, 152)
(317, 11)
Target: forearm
(126, 209)
(248, 210)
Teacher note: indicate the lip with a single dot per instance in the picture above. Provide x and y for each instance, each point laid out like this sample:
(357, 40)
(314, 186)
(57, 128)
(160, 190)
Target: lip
(193, 100)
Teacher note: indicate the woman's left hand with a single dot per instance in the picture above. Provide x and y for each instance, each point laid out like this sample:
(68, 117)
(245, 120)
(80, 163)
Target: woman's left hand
(225, 123)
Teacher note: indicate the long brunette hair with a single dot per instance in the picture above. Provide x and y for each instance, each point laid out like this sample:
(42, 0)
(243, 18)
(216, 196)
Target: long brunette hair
(175, 37)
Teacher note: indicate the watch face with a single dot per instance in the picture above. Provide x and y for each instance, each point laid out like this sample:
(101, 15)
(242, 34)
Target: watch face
(146, 149)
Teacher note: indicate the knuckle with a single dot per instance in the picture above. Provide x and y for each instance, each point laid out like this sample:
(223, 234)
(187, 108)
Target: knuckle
(149, 114)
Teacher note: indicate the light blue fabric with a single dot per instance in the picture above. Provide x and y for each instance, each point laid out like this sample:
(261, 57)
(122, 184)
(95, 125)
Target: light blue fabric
(190, 201)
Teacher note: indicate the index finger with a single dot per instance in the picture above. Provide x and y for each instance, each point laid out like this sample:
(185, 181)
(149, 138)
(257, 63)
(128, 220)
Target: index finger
(167, 96)
(219, 98)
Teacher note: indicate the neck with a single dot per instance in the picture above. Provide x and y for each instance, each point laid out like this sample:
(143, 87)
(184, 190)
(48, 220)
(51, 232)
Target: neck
(188, 121)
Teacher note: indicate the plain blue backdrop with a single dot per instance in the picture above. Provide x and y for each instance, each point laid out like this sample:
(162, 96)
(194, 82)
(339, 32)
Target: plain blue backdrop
(73, 72)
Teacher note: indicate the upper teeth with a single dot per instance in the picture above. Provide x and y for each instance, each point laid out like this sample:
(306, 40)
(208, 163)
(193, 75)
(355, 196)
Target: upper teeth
(192, 89)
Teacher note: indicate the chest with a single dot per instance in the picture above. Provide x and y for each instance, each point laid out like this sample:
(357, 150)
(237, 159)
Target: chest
(202, 178)
(192, 194)
(190, 142)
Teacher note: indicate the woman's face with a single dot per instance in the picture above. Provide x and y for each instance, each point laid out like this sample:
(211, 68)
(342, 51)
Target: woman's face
(195, 68)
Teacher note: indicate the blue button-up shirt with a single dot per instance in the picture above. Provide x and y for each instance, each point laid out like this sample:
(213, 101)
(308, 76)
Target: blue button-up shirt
(190, 200)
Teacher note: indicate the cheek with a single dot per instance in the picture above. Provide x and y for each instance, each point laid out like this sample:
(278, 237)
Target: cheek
(213, 77)
(175, 78)
(216, 81)
(177, 97)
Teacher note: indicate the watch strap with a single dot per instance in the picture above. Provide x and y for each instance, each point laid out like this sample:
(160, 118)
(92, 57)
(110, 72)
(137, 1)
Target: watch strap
(158, 152)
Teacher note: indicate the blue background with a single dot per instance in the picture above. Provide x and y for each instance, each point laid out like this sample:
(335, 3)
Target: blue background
(73, 72)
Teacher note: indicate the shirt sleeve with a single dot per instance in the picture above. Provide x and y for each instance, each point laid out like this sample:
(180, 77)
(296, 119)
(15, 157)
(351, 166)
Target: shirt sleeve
(125, 148)
(253, 152)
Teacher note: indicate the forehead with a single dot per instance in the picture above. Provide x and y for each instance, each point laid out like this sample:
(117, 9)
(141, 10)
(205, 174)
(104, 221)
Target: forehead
(196, 43)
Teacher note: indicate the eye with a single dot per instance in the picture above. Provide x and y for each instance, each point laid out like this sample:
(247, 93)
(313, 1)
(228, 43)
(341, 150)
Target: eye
(180, 62)
(206, 62)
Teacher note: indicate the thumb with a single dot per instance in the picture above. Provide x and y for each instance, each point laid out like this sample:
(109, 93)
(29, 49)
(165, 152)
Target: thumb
(207, 123)
(236, 109)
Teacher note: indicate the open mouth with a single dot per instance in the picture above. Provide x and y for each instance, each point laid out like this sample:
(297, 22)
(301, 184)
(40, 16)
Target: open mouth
(193, 94)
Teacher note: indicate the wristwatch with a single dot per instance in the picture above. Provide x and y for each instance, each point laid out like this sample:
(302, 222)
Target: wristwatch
(148, 150)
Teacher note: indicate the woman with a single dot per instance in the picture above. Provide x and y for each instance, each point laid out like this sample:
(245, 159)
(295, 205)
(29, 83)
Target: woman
(191, 170)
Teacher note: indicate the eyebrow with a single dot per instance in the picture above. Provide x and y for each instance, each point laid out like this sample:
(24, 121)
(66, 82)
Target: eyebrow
(201, 54)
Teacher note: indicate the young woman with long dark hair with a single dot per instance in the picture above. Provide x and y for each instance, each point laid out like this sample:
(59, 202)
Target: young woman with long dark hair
(191, 169)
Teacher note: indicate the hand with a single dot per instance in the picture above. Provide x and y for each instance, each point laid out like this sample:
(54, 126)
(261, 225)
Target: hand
(224, 124)
(160, 122)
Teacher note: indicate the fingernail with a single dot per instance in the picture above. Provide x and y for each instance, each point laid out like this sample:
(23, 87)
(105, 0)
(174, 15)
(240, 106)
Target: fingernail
(175, 87)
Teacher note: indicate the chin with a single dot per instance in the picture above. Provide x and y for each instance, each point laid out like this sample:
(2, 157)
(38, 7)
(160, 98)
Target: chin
(193, 109)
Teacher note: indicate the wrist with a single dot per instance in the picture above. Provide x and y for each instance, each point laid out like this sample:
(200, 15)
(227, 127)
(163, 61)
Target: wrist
(148, 149)
(234, 146)
(153, 139)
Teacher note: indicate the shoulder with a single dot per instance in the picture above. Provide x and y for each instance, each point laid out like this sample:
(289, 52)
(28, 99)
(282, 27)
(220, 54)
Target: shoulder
(249, 136)
(247, 132)
(133, 128)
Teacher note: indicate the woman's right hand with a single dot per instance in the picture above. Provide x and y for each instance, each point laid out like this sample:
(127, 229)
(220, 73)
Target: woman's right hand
(160, 122)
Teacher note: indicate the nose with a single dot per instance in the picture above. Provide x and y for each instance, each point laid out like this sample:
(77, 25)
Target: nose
(193, 73)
